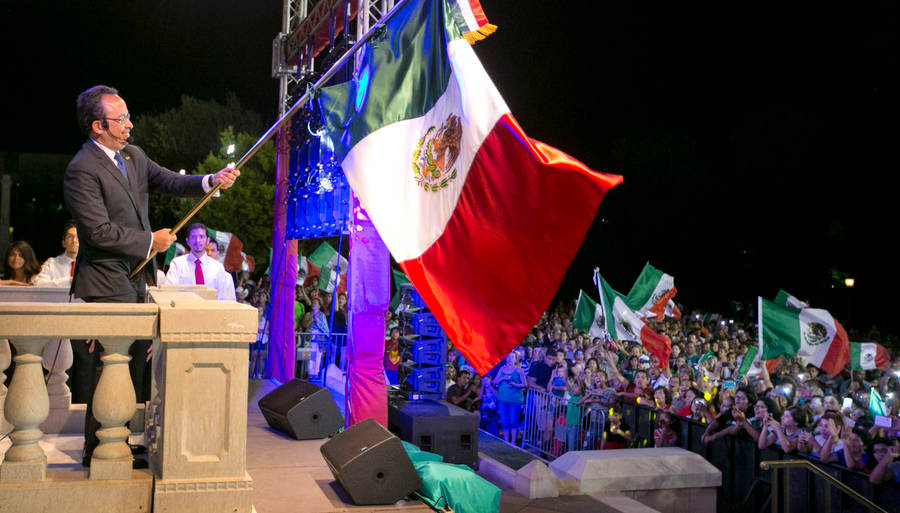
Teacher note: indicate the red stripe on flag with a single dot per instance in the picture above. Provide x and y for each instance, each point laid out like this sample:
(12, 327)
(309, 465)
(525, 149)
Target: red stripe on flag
(882, 357)
(478, 13)
(520, 218)
(659, 308)
(233, 258)
(838, 352)
(658, 345)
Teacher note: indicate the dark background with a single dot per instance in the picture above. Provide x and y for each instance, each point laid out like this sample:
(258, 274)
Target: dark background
(756, 139)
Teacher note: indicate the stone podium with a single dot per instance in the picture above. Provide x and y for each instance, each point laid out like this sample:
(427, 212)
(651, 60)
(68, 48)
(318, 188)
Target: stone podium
(197, 420)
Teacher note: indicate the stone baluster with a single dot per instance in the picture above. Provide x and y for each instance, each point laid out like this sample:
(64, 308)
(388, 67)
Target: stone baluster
(57, 359)
(113, 406)
(27, 406)
(5, 359)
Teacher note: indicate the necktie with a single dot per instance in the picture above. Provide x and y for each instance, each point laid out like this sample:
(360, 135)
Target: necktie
(72, 270)
(198, 273)
(120, 163)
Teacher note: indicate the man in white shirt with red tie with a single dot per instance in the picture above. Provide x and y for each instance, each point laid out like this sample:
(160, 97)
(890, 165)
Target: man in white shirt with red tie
(198, 268)
(57, 271)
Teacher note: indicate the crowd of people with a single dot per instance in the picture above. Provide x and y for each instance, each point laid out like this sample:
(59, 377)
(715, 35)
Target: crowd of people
(791, 405)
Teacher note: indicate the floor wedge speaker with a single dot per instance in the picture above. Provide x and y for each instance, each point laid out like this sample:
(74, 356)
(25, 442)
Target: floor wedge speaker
(301, 410)
(371, 464)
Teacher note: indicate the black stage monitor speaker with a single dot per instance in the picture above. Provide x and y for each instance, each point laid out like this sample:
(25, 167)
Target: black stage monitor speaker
(301, 410)
(437, 426)
(371, 464)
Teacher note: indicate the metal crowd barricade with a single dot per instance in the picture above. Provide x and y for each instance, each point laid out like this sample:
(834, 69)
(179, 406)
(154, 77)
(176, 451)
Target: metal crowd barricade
(258, 352)
(544, 429)
(316, 351)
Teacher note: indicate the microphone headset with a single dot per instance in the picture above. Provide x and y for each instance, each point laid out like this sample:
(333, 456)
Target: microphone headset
(105, 125)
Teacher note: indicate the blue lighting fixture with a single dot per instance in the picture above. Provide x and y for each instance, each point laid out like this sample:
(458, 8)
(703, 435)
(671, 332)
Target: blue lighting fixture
(319, 197)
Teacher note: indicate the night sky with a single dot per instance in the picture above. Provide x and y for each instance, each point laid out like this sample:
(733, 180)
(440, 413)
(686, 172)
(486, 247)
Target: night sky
(756, 140)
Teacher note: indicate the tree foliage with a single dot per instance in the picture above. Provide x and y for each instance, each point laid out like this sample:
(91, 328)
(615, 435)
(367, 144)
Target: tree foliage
(246, 209)
(181, 138)
(194, 136)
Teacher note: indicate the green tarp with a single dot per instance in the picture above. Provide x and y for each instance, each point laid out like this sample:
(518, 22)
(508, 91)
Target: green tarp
(455, 486)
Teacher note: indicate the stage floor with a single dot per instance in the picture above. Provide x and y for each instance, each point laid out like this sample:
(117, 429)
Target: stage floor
(290, 476)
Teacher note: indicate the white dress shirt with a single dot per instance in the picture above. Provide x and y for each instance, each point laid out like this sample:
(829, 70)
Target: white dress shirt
(56, 272)
(182, 272)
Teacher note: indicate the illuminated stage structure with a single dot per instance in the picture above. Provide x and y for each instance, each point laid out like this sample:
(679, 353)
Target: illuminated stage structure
(312, 199)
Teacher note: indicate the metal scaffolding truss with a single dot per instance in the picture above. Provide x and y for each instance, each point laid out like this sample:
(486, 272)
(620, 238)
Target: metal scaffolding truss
(293, 49)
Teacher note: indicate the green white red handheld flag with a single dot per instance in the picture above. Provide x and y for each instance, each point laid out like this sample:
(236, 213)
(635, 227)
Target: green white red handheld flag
(623, 323)
(589, 316)
(810, 333)
(868, 356)
(652, 292)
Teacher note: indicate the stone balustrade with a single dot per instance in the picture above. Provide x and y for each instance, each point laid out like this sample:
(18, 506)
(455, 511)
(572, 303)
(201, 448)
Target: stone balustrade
(197, 424)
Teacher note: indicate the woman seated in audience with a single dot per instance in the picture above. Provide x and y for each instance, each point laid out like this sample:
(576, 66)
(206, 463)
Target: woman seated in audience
(21, 265)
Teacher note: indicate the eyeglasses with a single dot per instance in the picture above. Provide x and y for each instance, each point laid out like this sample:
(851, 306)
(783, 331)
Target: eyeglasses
(121, 119)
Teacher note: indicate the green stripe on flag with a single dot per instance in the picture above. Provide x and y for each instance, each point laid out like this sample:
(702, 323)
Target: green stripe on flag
(855, 356)
(399, 279)
(381, 93)
(779, 329)
(747, 362)
(585, 313)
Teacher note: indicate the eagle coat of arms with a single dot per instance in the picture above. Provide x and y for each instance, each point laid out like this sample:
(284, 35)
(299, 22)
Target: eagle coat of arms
(436, 153)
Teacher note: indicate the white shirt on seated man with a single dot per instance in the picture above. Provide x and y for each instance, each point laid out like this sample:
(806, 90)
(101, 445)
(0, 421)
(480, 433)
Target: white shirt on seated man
(183, 270)
(57, 271)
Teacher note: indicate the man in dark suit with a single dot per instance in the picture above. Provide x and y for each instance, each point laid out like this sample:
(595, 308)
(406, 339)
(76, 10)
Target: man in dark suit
(106, 189)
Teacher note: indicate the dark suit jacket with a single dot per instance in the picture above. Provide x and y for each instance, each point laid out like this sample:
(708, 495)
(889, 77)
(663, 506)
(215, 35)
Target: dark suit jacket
(113, 226)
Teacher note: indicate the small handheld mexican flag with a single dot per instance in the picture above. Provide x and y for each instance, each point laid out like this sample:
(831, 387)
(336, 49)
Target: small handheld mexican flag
(323, 262)
(651, 293)
(623, 323)
(811, 333)
(868, 356)
(589, 316)
(231, 255)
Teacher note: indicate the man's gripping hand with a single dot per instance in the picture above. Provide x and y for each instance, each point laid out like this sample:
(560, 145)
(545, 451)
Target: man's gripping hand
(162, 239)
(226, 177)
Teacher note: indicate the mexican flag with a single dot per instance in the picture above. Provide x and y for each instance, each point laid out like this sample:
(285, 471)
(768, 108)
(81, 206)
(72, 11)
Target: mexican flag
(399, 279)
(176, 249)
(323, 262)
(810, 333)
(651, 293)
(230, 254)
(868, 356)
(451, 182)
(751, 366)
(589, 316)
(302, 270)
(785, 299)
(623, 323)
